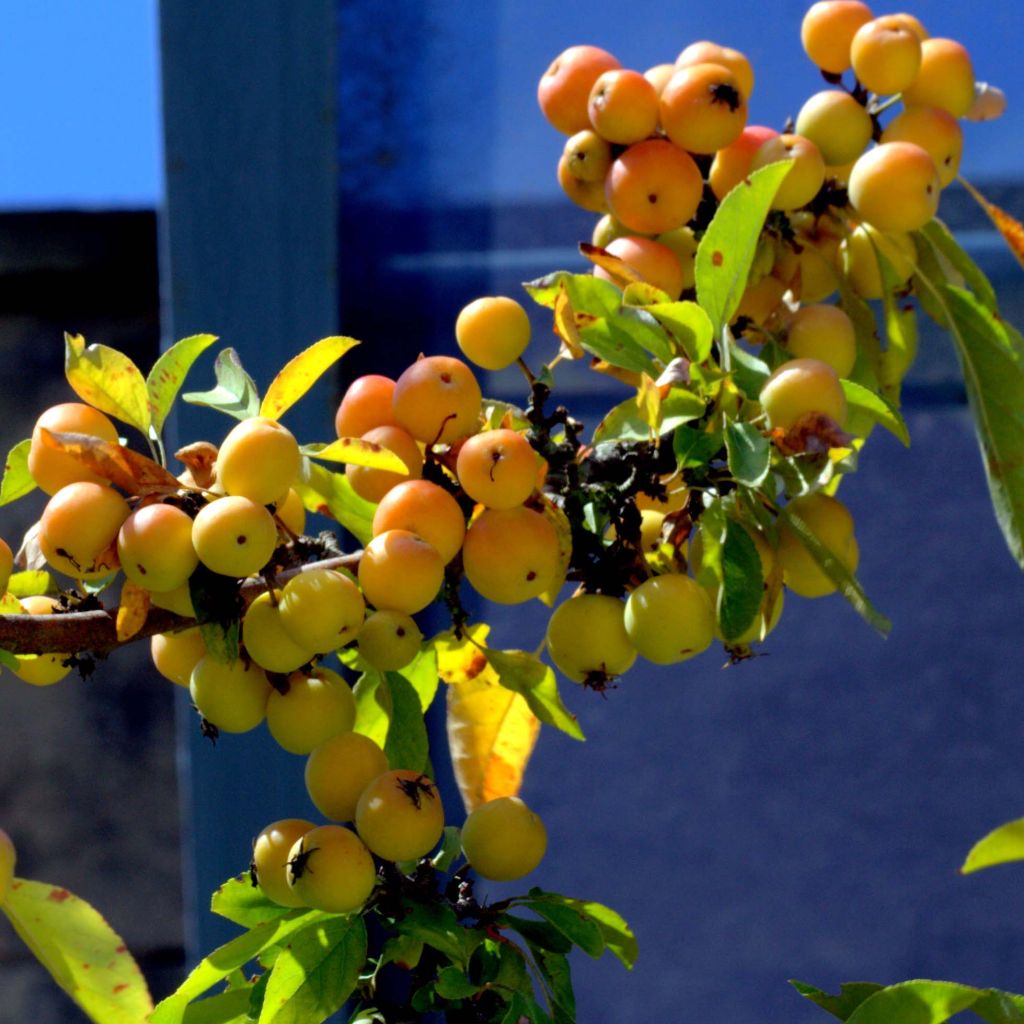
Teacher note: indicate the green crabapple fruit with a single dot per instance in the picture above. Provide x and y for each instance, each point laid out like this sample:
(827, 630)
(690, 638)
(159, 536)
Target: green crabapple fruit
(267, 640)
(830, 521)
(330, 869)
(669, 618)
(823, 332)
(53, 469)
(564, 89)
(587, 158)
(503, 839)
(438, 400)
(8, 859)
(493, 331)
(399, 815)
(270, 852)
(389, 640)
(339, 769)
(234, 536)
(401, 571)
(497, 468)
(837, 124)
(801, 386)
(230, 695)
(78, 529)
(426, 509)
(895, 187)
(321, 610)
(587, 640)
(155, 547)
(316, 706)
(589, 195)
(259, 460)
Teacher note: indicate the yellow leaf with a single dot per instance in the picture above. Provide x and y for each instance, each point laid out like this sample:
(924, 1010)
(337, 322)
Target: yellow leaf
(460, 661)
(1009, 227)
(648, 402)
(357, 452)
(108, 380)
(1001, 846)
(491, 735)
(132, 611)
(565, 325)
(301, 373)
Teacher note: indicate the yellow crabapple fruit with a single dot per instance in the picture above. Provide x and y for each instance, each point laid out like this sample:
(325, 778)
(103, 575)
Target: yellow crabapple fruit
(321, 610)
(234, 536)
(830, 521)
(265, 638)
(761, 301)
(6, 565)
(945, 79)
(511, 555)
(366, 404)
(291, 512)
(817, 265)
(676, 497)
(936, 131)
(827, 32)
(53, 469)
(178, 600)
(658, 76)
(705, 52)
(564, 89)
(823, 332)
(586, 638)
(8, 859)
(703, 108)
(606, 230)
(503, 839)
(78, 529)
(316, 706)
(858, 256)
(587, 156)
(258, 460)
(155, 547)
(372, 484)
(912, 23)
(497, 468)
(806, 175)
(426, 509)
(438, 400)
(176, 654)
(330, 869)
(399, 815)
(623, 106)
(230, 695)
(837, 124)
(654, 261)
(895, 187)
(669, 618)
(683, 242)
(886, 55)
(588, 195)
(653, 186)
(270, 852)
(389, 640)
(801, 386)
(492, 331)
(732, 163)
(401, 571)
(339, 769)
(41, 669)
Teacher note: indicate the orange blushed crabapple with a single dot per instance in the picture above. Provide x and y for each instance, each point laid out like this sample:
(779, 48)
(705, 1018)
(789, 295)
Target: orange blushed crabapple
(155, 547)
(78, 529)
(705, 52)
(827, 32)
(837, 124)
(945, 79)
(53, 469)
(805, 177)
(339, 769)
(399, 815)
(588, 195)
(564, 89)
(330, 869)
(703, 108)
(176, 654)
(8, 859)
(426, 509)
(366, 404)
(401, 571)
(438, 400)
(321, 609)
(234, 536)
(510, 555)
(389, 640)
(372, 484)
(317, 705)
(230, 695)
(801, 386)
(669, 618)
(623, 106)
(886, 55)
(492, 331)
(658, 76)
(503, 839)
(587, 156)
(497, 468)
(733, 162)
(823, 332)
(936, 131)
(259, 460)
(270, 852)
(265, 638)
(586, 638)
(653, 186)
(830, 521)
(654, 261)
(895, 187)
(41, 669)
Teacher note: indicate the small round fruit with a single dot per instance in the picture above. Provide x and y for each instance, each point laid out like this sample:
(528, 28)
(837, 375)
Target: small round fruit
(705, 52)
(669, 618)
(438, 400)
(78, 530)
(588, 195)
(234, 536)
(267, 641)
(895, 187)
(389, 640)
(830, 521)
(330, 869)
(493, 331)
(175, 655)
(511, 555)
(401, 571)
(366, 404)
(564, 89)
(623, 106)
(178, 600)
(399, 815)
(6, 565)
(799, 387)
(654, 261)
(703, 108)
(936, 131)
(155, 547)
(827, 32)
(886, 55)
(858, 256)
(53, 469)
(587, 640)
(825, 333)
(230, 695)
(945, 78)
(683, 243)
(270, 852)
(805, 177)
(259, 460)
(732, 163)
(372, 484)
(587, 158)
(339, 769)
(321, 610)
(837, 124)
(291, 512)
(497, 468)
(426, 509)
(8, 859)
(41, 669)
(316, 706)
(654, 186)
(606, 230)
(503, 839)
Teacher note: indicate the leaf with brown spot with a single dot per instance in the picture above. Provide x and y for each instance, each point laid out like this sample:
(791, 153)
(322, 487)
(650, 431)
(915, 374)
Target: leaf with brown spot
(128, 470)
(132, 611)
(168, 374)
(108, 380)
(565, 325)
(357, 452)
(622, 274)
(461, 660)
(301, 373)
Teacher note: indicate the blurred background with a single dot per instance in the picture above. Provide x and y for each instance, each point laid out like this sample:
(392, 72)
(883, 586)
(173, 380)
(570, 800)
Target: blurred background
(274, 173)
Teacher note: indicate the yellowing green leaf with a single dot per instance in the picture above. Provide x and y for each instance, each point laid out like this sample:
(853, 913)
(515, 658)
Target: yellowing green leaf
(522, 672)
(330, 494)
(648, 403)
(17, 480)
(301, 373)
(461, 660)
(357, 452)
(168, 374)
(30, 583)
(1000, 846)
(235, 393)
(108, 380)
(81, 951)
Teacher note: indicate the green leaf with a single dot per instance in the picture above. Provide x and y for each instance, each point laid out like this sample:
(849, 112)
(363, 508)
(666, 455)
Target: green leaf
(357, 452)
(373, 706)
(749, 453)
(876, 408)
(845, 581)
(726, 252)
(695, 448)
(690, 326)
(108, 380)
(1000, 846)
(316, 972)
(83, 954)
(226, 1008)
(17, 481)
(539, 935)
(587, 294)
(523, 673)
(939, 236)
(453, 984)
(748, 372)
(215, 600)
(523, 1007)
(168, 373)
(436, 926)
(558, 976)
(30, 583)
(570, 918)
(617, 935)
(244, 903)
(933, 1002)
(235, 393)
(450, 849)
(406, 745)
(421, 675)
(301, 373)
(331, 494)
(900, 333)
(614, 340)
(625, 421)
(851, 995)
(739, 600)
